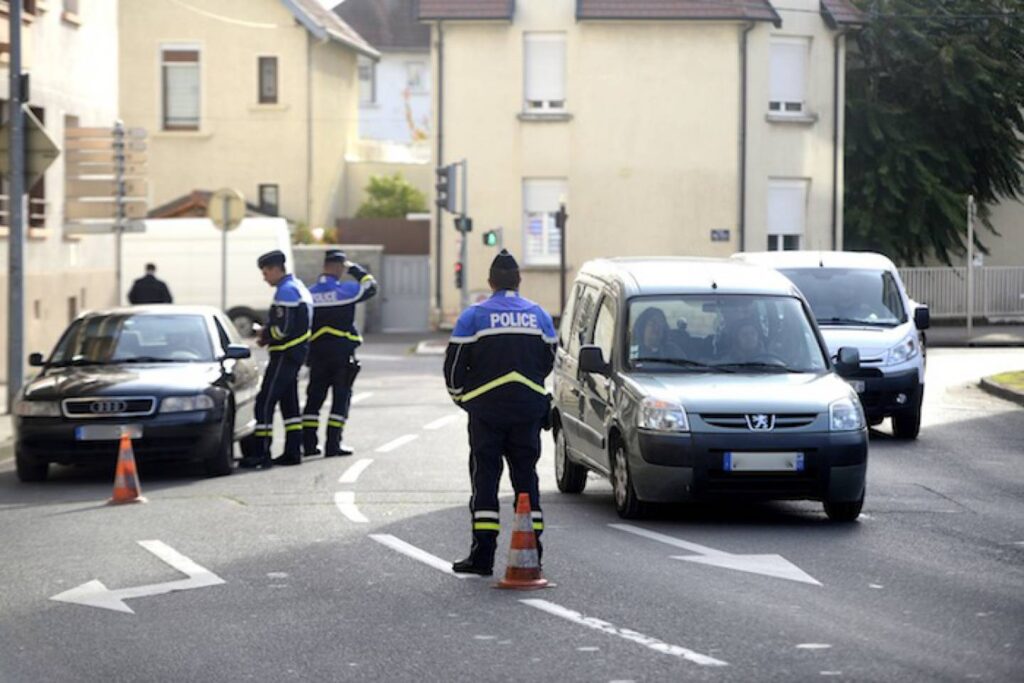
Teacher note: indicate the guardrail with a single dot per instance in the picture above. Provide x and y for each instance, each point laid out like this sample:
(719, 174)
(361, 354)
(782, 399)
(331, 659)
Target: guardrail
(998, 290)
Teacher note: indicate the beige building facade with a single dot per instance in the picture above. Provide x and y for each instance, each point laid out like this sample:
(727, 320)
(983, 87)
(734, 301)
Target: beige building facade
(666, 128)
(259, 95)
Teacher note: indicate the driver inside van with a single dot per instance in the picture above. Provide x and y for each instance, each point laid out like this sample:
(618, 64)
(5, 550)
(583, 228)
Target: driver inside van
(651, 336)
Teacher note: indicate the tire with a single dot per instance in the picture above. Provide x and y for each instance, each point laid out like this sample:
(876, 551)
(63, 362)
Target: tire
(907, 424)
(570, 477)
(626, 503)
(243, 319)
(847, 511)
(222, 462)
(29, 471)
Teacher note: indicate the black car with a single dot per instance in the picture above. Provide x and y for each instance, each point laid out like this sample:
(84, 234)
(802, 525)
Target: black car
(178, 379)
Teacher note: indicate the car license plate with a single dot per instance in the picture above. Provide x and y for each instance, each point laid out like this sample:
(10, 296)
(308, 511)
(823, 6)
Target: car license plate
(857, 384)
(106, 432)
(735, 461)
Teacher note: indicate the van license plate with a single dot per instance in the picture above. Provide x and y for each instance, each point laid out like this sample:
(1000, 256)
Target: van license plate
(107, 432)
(736, 461)
(857, 384)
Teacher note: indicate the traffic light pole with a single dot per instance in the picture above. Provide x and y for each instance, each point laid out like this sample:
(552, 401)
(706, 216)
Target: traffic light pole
(16, 211)
(464, 253)
(561, 217)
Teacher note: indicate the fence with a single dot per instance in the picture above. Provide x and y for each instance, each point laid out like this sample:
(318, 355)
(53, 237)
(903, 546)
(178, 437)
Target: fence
(998, 290)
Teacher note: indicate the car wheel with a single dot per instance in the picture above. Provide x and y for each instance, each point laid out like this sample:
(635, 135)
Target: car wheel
(907, 424)
(570, 477)
(243, 319)
(626, 503)
(846, 511)
(222, 461)
(29, 471)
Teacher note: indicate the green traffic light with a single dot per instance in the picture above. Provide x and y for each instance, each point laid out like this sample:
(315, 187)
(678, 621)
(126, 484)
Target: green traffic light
(490, 238)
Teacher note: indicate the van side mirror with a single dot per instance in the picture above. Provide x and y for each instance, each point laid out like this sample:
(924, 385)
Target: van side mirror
(847, 361)
(35, 360)
(592, 360)
(237, 352)
(922, 318)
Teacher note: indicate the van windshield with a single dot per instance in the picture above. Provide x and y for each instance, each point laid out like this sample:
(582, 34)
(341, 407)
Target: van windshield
(851, 296)
(722, 333)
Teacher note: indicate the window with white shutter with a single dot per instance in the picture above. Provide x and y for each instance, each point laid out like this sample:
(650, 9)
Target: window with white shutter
(544, 72)
(542, 240)
(788, 93)
(180, 74)
(787, 214)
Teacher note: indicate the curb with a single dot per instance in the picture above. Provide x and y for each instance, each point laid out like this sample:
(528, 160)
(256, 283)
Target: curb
(1002, 392)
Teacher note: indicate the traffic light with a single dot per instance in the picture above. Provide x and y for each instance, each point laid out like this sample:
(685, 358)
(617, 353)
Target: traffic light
(464, 224)
(492, 238)
(458, 275)
(445, 185)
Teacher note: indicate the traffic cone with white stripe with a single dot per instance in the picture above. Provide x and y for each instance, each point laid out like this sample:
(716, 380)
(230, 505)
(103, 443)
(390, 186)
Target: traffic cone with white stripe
(126, 478)
(523, 569)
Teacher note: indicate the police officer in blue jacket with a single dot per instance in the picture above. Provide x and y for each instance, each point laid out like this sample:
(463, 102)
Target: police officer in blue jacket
(498, 356)
(332, 362)
(286, 336)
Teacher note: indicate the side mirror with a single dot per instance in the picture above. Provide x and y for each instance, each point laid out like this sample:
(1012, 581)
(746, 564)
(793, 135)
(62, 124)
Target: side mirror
(847, 360)
(237, 352)
(922, 318)
(35, 360)
(592, 360)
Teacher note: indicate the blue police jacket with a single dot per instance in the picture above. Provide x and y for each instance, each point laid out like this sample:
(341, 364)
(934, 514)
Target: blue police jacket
(498, 356)
(290, 316)
(334, 311)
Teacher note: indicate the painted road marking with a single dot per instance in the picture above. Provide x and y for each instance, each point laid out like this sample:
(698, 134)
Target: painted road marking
(813, 646)
(397, 443)
(419, 555)
(355, 469)
(772, 565)
(627, 634)
(359, 398)
(380, 357)
(346, 502)
(95, 594)
(441, 422)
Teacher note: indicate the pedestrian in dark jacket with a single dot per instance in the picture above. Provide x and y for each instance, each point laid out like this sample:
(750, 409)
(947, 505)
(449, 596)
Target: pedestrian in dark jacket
(149, 290)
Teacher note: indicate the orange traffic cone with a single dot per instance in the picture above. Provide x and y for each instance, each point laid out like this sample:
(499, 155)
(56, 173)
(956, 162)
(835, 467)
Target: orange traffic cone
(523, 569)
(126, 479)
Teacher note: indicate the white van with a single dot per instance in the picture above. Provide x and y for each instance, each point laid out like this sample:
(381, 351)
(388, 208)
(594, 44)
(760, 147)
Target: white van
(859, 300)
(187, 254)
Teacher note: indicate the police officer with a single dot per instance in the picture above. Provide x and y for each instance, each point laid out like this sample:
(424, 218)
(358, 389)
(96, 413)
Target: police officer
(498, 356)
(287, 338)
(332, 363)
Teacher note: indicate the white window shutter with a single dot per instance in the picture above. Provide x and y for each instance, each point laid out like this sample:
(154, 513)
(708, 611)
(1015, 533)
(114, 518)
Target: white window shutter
(787, 207)
(789, 70)
(183, 92)
(544, 72)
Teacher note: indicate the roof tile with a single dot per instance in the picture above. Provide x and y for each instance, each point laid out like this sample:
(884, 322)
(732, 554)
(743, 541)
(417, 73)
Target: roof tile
(751, 10)
(466, 9)
(386, 24)
(842, 13)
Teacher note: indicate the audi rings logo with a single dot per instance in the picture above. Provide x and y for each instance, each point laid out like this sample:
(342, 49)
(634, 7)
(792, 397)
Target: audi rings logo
(107, 407)
(760, 422)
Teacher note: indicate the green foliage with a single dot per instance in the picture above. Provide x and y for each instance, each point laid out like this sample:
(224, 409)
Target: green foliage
(302, 234)
(935, 91)
(391, 197)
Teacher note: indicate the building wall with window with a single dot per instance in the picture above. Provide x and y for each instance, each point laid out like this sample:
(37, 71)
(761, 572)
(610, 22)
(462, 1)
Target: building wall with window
(239, 93)
(394, 97)
(635, 125)
(70, 52)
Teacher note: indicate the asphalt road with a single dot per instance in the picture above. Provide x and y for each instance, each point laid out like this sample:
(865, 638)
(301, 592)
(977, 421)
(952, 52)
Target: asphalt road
(305, 582)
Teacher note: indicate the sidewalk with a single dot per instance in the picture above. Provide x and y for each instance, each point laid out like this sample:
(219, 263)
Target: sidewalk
(941, 336)
(1007, 385)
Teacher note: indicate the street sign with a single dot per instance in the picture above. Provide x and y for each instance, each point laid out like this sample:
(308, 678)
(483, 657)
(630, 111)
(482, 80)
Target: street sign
(98, 169)
(101, 227)
(77, 209)
(102, 156)
(77, 188)
(102, 144)
(226, 208)
(40, 149)
(74, 133)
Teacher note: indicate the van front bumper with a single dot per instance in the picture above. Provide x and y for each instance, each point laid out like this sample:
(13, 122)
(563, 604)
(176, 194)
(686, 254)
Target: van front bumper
(886, 395)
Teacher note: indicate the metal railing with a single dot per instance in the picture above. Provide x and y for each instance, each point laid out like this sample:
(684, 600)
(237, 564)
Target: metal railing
(998, 290)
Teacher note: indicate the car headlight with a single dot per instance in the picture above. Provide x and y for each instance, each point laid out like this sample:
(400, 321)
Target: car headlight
(904, 351)
(845, 415)
(662, 416)
(25, 408)
(184, 404)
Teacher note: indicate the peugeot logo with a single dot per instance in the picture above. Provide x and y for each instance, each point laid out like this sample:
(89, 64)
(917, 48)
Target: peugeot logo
(106, 407)
(759, 422)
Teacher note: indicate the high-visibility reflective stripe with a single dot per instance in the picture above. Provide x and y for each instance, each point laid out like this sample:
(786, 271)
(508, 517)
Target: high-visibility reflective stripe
(293, 342)
(263, 432)
(538, 526)
(335, 333)
(311, 423)
(486, 526)
(365, 278)
(293, 428)
(485, 514)
(335, 423)
(513, 376)
(275, 333)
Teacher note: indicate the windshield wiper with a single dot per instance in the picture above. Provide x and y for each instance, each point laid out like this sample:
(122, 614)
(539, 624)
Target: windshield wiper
(681, 362)
(148, 359)
(75, 362)
(759, 366)
(855, 321)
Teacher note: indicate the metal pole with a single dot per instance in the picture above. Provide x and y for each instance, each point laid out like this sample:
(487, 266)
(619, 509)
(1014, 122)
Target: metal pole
(464, 250)
(226, 207)
(970, 266)
(562, 218)
(119, 214)
(16, 239)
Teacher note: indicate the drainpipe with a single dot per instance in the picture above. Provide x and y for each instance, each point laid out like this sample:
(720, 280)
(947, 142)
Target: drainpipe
(309, 131)
(835, 139)
(440, 162)
(743, 137)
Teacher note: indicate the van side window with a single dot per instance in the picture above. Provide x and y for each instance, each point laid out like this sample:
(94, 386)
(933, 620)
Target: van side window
(565, 324)
(584, 318)
(604, 328)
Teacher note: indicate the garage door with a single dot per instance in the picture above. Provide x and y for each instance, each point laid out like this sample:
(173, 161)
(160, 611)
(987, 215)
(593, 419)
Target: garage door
(405, 293)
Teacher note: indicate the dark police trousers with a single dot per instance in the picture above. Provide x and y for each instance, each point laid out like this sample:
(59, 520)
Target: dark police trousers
(336, 374)
(490, 440)
(280, 385)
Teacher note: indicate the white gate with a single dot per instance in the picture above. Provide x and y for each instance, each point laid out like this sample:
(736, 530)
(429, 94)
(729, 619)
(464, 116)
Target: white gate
(998, 290)
(405, 293)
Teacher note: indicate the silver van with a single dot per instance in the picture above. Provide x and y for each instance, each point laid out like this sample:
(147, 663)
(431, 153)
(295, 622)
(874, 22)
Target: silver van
(695, 379)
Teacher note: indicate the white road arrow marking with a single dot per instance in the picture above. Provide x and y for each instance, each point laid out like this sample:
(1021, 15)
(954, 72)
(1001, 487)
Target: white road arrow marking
(775, 566)
(95, 594)
(420, 555)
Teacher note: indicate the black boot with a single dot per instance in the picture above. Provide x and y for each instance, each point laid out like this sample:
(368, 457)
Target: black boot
(288, 460)
(340, 449)
(256, 463)
(481, 555)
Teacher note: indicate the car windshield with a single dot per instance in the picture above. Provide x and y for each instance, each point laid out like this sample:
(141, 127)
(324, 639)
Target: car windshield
(851, 296)
(722, 333)
(134, 338)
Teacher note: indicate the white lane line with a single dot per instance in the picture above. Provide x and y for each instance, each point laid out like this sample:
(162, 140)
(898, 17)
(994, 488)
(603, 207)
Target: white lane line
(346, 502)
(669, 540)
(397, 443)
(419, 555)
(380, 357)
(813, 646)
(355, 469)
(441, 422)
(359, 398)
(627, 634)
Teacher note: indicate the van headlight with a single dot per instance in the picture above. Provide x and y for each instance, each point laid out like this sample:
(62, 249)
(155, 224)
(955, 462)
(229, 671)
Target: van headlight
(845, 415)
(662, 416)
(904, 351)
(25, 408)
(185, 404)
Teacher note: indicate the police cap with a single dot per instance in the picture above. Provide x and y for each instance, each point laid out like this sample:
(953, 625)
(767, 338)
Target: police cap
(334, 256)
(271, 258)
(504, 261)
